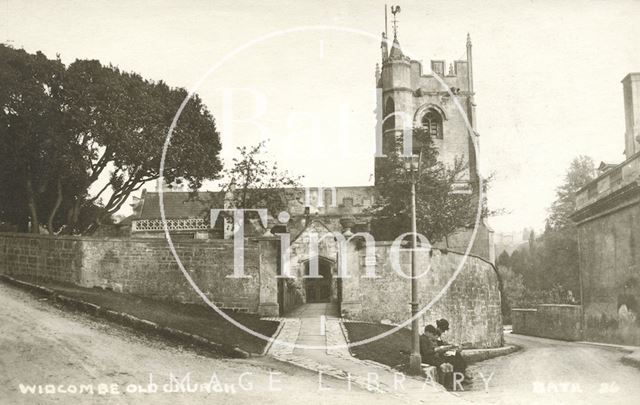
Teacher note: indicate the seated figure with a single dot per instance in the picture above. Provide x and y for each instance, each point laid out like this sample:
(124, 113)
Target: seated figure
(432, 356)
(428, 346)
(451, 353)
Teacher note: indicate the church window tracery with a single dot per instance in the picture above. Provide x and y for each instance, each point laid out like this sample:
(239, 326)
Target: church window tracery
(432, 124)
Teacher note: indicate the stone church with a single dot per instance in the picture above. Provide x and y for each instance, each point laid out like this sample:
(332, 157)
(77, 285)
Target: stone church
(427, 100)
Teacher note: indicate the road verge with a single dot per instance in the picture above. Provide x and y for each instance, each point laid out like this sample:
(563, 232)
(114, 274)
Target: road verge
(126, 319)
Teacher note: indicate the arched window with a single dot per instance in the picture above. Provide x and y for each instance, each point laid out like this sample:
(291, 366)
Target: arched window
(389, 123)
(389, 118)
(432, 124)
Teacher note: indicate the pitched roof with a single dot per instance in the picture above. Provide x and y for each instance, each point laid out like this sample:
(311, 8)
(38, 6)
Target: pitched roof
(184, 204)
(179, 204)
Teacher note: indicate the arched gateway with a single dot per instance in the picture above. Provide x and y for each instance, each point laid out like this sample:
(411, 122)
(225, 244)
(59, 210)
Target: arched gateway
(318, 289)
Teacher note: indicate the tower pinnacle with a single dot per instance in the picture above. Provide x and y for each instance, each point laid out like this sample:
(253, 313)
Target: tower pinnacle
(384, 47)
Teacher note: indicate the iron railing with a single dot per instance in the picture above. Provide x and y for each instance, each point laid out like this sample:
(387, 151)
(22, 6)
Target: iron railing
(180, 224)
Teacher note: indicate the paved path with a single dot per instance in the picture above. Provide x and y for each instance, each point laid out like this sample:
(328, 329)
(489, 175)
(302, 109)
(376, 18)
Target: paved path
(318, 325)
(555, 372)
(40, 344)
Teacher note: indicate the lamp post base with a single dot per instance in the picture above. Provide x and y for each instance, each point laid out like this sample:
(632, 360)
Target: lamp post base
(415, 364)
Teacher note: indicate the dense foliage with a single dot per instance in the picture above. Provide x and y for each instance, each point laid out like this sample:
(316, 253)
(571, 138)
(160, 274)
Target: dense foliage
(546, 269)
(440, 210)
(78, 140)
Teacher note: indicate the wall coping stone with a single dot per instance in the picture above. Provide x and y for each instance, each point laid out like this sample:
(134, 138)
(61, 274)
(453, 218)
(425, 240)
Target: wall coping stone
(546, 306)
(127, 239)
(444, 251)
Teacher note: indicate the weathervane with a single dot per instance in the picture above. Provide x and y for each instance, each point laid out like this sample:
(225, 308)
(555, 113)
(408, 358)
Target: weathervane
(395, 10)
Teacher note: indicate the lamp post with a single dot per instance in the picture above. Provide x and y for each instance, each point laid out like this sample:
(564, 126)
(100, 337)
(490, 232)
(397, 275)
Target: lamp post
(412, 165)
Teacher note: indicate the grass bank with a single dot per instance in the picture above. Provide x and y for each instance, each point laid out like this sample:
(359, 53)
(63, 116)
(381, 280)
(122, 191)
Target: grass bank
(190, 318)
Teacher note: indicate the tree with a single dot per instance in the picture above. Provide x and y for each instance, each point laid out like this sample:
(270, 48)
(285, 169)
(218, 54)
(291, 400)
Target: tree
(78, 141)
(122, 121)
(514, 291)
(503, 259)
(439, 210)
(581, 171)
(256, 183)
(558, 247)
(35, 153)
(549, 264)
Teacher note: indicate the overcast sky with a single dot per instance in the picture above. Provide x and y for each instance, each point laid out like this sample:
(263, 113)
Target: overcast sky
(547, 75)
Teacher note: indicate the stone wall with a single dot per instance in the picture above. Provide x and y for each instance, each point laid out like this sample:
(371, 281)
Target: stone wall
(483, 244)
(523, 321)
(147, 268)
(471, 302)
(610, 269)
(41, 257)
(549, 321)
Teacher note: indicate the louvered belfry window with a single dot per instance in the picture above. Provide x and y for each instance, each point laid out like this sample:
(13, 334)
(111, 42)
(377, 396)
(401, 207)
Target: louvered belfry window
(432, 123)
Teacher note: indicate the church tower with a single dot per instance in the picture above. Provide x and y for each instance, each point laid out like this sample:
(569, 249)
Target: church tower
(409, 98)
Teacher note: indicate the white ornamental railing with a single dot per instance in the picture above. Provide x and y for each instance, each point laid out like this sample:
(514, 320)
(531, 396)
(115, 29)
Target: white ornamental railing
(183, 224)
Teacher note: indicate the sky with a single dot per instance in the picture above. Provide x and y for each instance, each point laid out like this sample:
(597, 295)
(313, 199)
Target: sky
(546, 74)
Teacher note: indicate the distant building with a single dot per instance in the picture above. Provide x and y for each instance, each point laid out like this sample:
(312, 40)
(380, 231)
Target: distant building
(608, 220)
(510, 241)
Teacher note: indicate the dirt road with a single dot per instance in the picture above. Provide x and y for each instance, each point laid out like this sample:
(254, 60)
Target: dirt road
(553, 372)
(41, 345)
(44, 349)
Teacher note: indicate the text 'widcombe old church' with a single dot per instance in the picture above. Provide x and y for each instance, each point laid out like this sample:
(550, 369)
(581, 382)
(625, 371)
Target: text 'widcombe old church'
(406, 92)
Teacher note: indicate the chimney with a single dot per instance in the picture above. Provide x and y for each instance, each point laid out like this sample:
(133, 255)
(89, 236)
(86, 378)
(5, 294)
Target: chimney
(631, 91)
